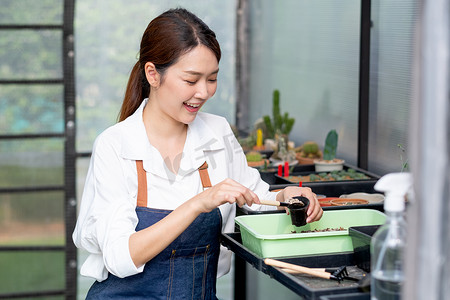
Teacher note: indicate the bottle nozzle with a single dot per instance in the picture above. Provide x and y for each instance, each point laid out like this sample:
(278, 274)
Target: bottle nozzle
(395, 186)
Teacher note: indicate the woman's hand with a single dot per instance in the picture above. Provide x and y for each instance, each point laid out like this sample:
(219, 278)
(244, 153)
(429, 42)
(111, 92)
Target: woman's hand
(227, 191)
(147, 243)
(314, 210)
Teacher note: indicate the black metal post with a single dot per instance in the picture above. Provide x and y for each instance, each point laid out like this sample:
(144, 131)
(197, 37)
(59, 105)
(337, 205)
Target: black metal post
(364, 82)
(69, 147)
(240, 278)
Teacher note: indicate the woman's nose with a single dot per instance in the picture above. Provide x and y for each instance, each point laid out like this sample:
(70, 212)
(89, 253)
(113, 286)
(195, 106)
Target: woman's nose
(201, 90)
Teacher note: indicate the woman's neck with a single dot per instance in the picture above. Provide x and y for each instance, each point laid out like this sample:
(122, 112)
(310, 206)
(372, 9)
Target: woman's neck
(165, 134)
(162, 125)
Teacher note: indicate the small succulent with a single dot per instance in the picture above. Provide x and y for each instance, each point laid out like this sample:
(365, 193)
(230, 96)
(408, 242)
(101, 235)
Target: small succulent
(310, 147)
(253, 156)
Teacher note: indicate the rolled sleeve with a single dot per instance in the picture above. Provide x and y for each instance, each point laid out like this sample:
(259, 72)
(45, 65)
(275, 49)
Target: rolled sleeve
(113, 232)
(107, 216)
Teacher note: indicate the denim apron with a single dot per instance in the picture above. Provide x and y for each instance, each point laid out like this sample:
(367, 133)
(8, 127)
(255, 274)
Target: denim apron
(186, 269)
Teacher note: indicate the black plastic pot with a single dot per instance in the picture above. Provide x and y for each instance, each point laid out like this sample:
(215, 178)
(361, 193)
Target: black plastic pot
(297, 211)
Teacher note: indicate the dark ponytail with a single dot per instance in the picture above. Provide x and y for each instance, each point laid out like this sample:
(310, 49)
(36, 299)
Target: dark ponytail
(166, 38)
(137, 89)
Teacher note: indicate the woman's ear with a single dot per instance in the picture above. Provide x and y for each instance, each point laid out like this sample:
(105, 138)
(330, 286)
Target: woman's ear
(152, 75)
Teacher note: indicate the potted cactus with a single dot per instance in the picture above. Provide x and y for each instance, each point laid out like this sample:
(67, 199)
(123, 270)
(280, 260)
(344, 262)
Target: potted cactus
(307, 153)
(329, 162)
(279, 124)
(277, 131)
(256, 159)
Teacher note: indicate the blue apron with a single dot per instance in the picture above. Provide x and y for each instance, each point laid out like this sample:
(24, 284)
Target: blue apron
(186, 269)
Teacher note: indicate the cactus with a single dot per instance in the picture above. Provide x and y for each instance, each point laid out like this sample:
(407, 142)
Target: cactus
(331, 142)
(253, 156)
(310, 147)
(278, 123)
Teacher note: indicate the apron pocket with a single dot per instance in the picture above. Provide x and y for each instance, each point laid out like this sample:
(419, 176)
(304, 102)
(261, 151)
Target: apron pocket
(188, 273)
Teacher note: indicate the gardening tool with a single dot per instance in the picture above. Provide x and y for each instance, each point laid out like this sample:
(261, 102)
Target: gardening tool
(338, 274)
(297, 209)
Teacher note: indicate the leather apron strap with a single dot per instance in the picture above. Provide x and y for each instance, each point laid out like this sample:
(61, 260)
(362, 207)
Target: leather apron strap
(142, 181)
(142, 184)
(204, 175)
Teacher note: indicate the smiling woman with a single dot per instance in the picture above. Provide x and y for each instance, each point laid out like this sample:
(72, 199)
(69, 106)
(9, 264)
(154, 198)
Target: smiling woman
(164, 182)
(107, 45)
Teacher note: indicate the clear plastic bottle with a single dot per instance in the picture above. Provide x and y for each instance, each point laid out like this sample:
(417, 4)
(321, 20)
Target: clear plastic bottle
(388, 243)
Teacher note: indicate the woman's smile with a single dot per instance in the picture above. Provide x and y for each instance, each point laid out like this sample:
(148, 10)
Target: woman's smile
(191, 107)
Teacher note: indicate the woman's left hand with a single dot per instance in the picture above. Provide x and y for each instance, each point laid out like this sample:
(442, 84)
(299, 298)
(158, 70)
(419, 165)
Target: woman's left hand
(314, 210)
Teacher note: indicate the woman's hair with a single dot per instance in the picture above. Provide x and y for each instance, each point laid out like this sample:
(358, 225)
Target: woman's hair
(167, 37)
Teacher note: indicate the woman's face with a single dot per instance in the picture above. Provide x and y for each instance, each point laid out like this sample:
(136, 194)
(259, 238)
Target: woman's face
(186, 85)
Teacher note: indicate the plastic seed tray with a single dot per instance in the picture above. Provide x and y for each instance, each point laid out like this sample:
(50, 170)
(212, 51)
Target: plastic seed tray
(273, 235)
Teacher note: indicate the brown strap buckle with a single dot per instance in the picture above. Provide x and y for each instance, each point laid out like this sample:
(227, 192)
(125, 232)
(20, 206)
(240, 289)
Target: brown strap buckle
(204, 176)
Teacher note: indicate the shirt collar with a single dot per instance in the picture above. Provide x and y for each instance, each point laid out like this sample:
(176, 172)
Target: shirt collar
(135, 144)
(200, 140)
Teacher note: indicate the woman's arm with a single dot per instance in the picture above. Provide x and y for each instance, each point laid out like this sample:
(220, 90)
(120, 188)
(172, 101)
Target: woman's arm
(147, 243)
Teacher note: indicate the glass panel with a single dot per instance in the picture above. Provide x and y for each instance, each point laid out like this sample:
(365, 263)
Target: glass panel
(309, 51)
(34, 162)
(32, 219)
(31, 271)
(106, 49)
(22, 12)
(28, 54)
(31, 109)
(392, 45)
(84, 282)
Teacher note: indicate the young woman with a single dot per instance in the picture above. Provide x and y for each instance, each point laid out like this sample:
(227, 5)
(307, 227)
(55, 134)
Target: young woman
(164, 182)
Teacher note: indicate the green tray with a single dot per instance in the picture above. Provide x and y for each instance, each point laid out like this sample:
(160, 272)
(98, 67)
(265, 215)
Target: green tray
(270, 235)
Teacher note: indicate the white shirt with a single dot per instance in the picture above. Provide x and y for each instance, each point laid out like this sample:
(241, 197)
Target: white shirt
(107, 215)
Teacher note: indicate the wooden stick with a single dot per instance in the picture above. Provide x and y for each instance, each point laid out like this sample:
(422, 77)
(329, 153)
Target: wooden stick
(274, 203)
(270, 202)
(292, 271)
(296, 268)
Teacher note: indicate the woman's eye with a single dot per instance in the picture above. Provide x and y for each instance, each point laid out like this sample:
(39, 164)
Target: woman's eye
(213, 80)
(191, 82)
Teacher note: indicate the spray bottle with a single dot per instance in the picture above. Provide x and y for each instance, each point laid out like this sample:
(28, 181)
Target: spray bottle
(388, 243)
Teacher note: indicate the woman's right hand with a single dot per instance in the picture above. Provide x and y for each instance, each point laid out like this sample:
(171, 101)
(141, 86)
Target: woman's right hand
(147, 243)
(227, 191)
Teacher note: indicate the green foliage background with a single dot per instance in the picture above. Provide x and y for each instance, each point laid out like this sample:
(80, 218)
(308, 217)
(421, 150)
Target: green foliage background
(107, 42)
